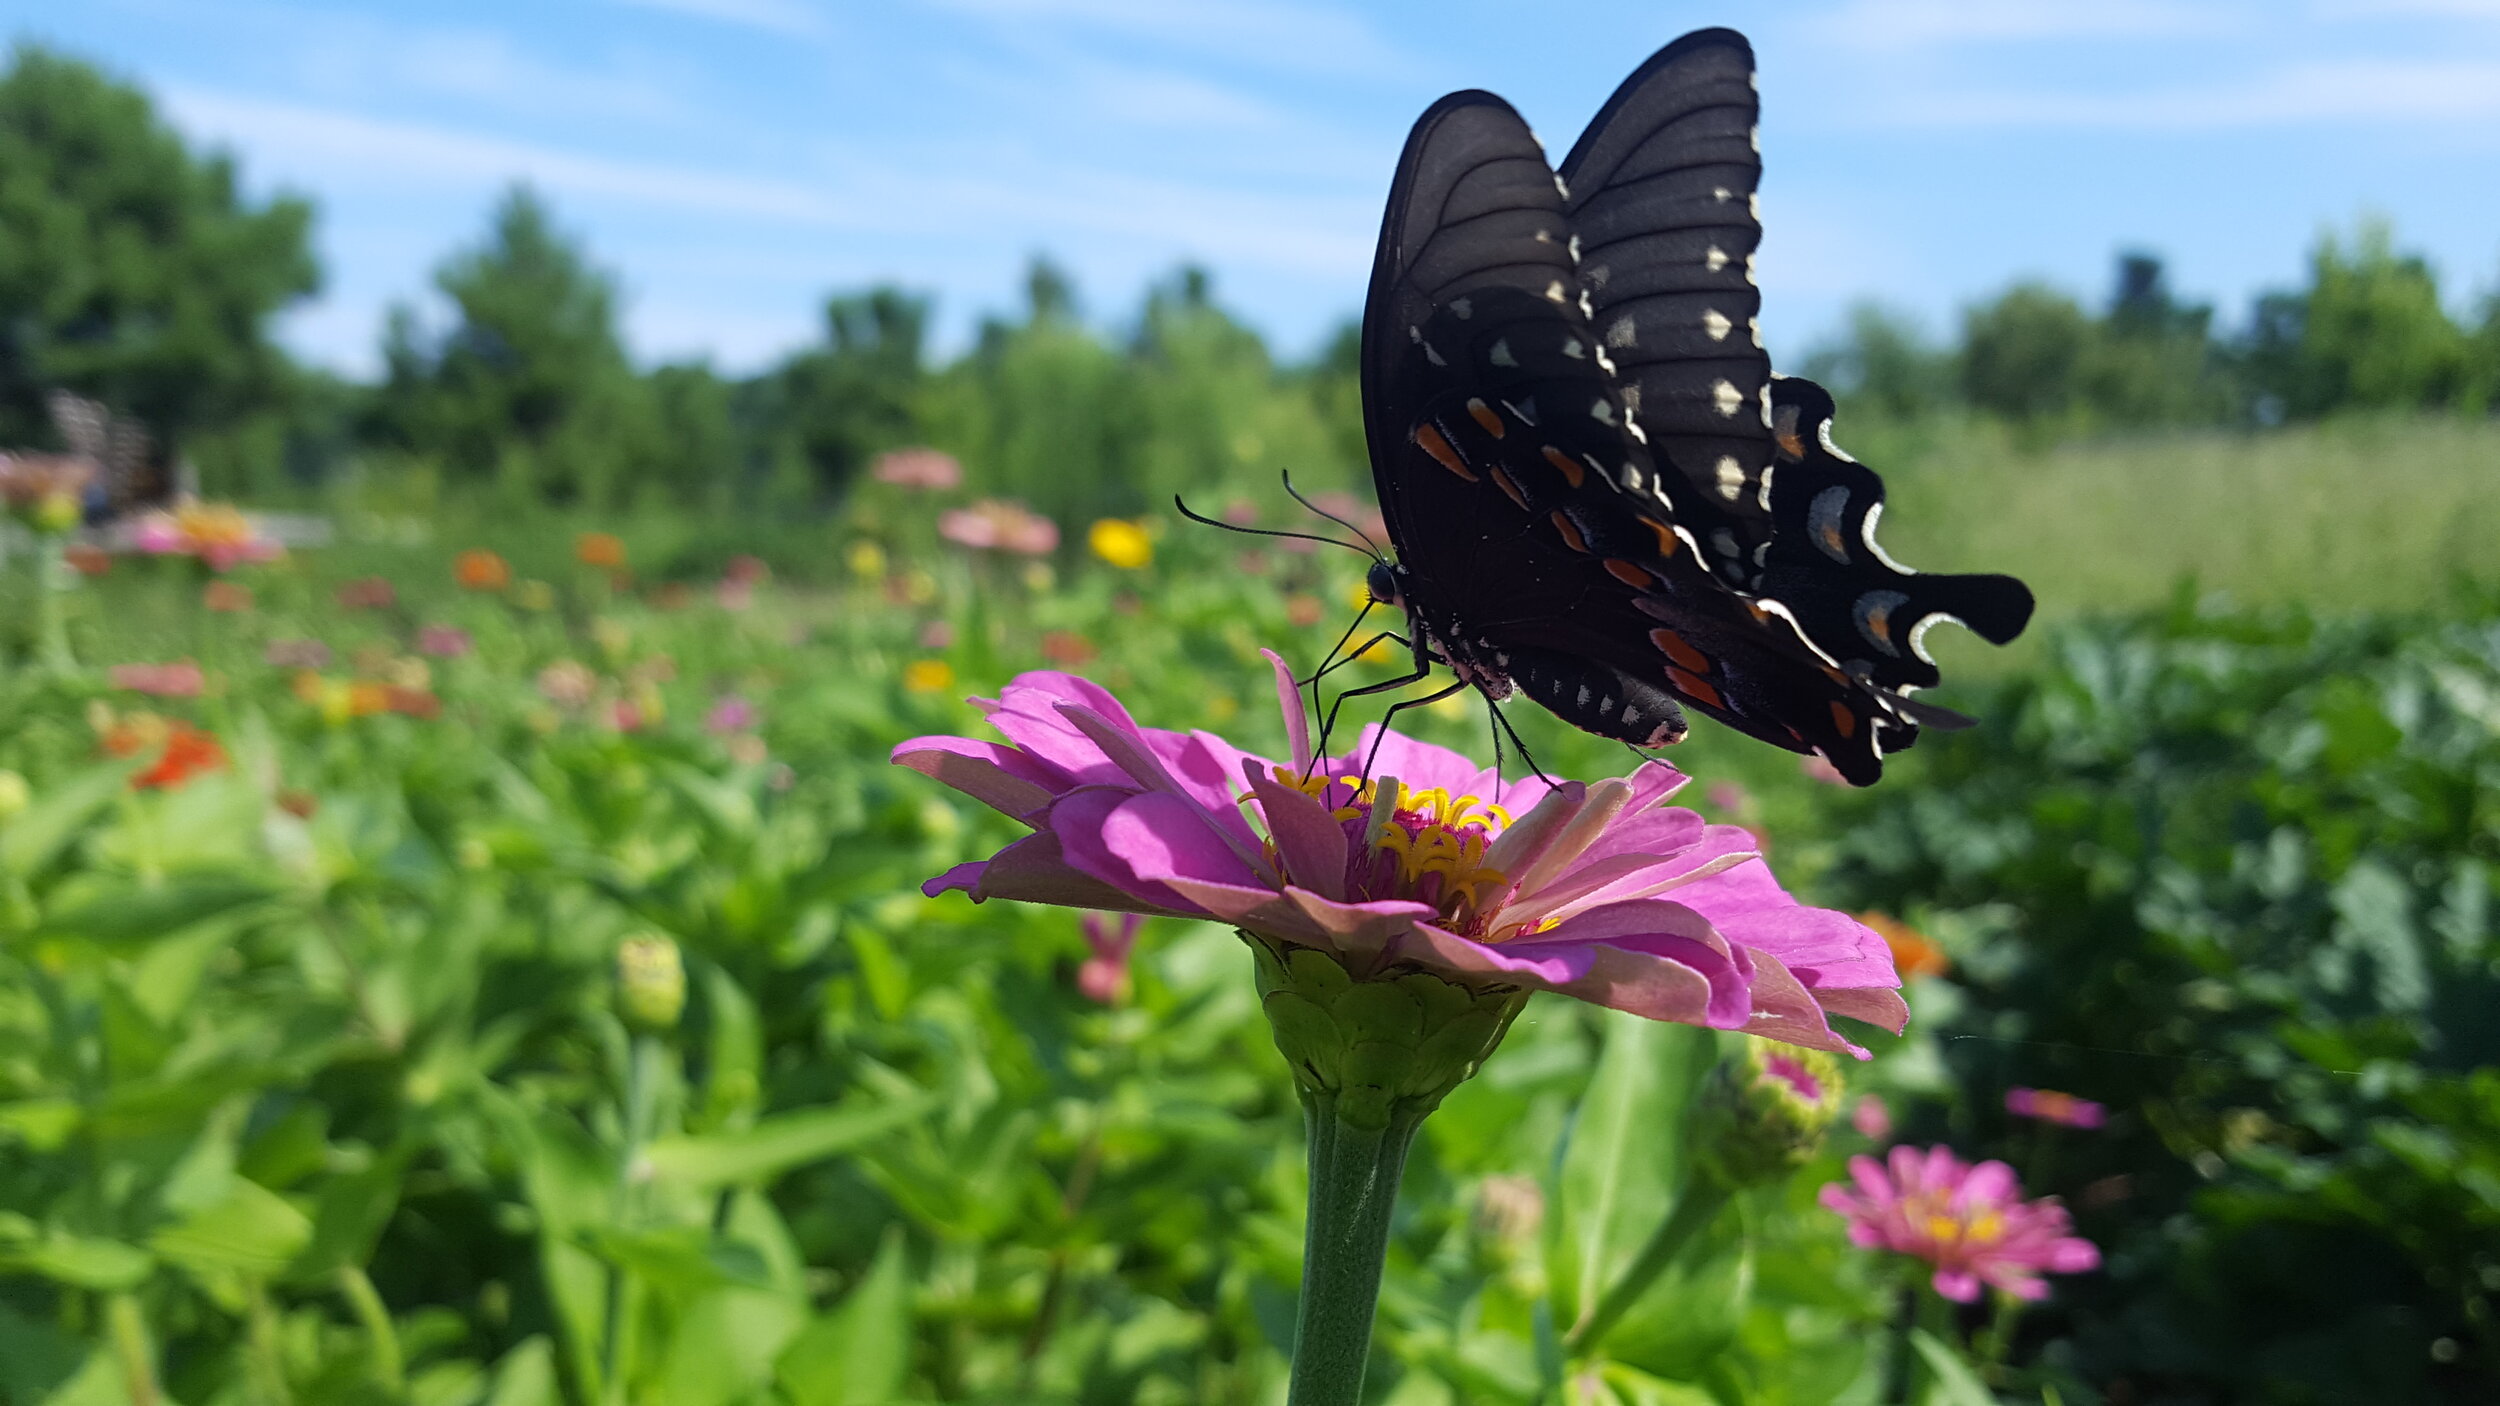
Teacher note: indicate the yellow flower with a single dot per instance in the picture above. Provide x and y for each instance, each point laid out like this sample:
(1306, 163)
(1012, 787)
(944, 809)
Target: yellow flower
(1122, 542)
(929, 676)
(867, 560)
(534, 595)
(15, 794)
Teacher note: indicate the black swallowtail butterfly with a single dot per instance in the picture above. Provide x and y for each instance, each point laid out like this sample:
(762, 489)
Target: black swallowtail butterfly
(1599, 494)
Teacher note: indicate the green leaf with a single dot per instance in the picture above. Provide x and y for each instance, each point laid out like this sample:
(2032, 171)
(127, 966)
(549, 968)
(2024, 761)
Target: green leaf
(348, 1216)
(859, 1354)
(252, 1231)
(733, 1082)
(756, 1155)
(526, 1376)
(1623, 1159)
(37, 836)
(138, 914)
(1951, 1380)
(106, 1266)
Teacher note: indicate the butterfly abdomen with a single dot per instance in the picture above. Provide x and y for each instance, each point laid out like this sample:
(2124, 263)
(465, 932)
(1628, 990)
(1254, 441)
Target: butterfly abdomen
(1597, 698)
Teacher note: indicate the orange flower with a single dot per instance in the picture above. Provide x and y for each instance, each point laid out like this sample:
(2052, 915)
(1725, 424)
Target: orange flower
(87, 559)
(188, 752)
(227, 598)
(411, 702)
(478, 569)
(604, 550)
(1067, 647)
(1912, 952)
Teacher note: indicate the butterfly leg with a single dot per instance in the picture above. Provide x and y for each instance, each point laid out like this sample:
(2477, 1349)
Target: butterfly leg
(1328, 725)
(1502, 724)
(1393, 710)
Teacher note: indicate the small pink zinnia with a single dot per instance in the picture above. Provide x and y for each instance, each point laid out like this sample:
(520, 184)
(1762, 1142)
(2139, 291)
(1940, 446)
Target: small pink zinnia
(2050, 1106)
(444, 641)
(1970, 1222)
(1104, 976)
(1872, 1117)
(928, 470)
(731, 714)
(1600, 891)
(177, 680)
(998, 525)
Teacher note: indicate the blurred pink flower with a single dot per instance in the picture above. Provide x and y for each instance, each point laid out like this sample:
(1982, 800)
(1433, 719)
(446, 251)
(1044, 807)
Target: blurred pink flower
(367, 593)
(732, 594)
(1818, 769)
(2050, 1106)
(928, 470)
(996, 524)
(1103, 978)
(746, 570)
(1872, 1117)
(444, 641)
(731, 714)
(625, 715)
(937, 634)
(1970, 1222)
(296, 654)
(567, 682)
(1599, 891)
(177, 680)
(1726, 797)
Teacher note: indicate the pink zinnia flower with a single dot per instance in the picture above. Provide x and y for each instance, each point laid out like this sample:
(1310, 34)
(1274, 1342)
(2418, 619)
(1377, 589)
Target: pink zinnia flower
(1597, 891)
(443, 641)
(928, 470)
(731, 714)
(2050, 1106)
(1104, 976)
(996, 524)
(1971, 1223)
(179, 680)
(296, 654)
(1872, 1117)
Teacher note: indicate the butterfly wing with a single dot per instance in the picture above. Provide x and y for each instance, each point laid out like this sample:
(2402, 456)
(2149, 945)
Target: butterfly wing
(1528, 516)
(1661, 194)
(1856, 603)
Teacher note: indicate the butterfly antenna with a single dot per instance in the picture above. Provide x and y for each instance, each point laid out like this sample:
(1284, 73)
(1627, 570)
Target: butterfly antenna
(1268, 532)
(1296, 495)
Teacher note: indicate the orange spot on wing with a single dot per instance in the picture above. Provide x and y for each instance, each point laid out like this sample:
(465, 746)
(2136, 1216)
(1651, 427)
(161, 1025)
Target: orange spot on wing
(1488, 417)
(1570, 532)
(1629, 574)
(1667, 540)
(1570, 468)
(1502, 481)
(1674, 647)
(1698, 690)
(1844, 721)
(1792, 446)
(1428, 438)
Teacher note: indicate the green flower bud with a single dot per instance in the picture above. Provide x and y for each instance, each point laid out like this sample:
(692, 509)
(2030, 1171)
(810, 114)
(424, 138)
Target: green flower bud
(650, 983)
(1381, 1048)
(56, 513)
(1763, 1112)
(15, 794)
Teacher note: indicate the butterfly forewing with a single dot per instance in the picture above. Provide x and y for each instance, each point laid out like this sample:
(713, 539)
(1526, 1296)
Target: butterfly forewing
(1662, 199)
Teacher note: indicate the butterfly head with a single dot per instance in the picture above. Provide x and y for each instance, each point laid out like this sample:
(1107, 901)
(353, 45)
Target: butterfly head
(1387, 583)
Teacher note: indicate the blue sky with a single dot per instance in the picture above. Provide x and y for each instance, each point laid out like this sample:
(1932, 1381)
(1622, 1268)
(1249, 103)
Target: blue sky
(734, 160)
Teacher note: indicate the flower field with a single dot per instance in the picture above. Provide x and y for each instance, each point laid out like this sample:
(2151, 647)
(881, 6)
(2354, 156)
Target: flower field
(496, 968)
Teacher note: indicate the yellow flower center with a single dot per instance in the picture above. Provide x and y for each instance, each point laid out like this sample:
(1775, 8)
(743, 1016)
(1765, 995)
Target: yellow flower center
(1427, 846)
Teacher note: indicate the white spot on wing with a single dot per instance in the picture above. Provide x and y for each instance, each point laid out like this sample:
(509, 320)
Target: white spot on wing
(1621, 332)
(1559, 188)
(1715, 260)
(1554, 290)
(1433, 356)
(1716, 324)
(1725, 398)
(1500, 355)
(1465, 308)
(1572, 347)
(1602, 411)
(1866, 534)
(1731, 477)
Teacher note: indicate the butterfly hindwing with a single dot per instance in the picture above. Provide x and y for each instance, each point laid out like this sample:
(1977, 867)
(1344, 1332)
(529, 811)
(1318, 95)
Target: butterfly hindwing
(1857, 604)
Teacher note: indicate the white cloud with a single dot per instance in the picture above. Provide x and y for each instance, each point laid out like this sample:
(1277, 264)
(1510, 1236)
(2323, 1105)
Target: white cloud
(772, 16)
(2366, 90)
(1926, 24)
(1280, 35)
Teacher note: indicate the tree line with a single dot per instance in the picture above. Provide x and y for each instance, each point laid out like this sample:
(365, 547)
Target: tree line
(135, 270)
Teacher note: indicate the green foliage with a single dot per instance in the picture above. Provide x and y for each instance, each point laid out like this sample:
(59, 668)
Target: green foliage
(828, 409)
(2369, 332)
(131, 270)
(2234, 876)
(529, 388)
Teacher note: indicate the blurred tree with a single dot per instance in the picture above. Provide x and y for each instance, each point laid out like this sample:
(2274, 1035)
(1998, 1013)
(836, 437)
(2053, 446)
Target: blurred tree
(2368, 333)
(531, 384)
(1882, 363)
(2153, 361)
(698, 449)
(2023, 354)
(829, 409)
(131, 270)
(1040, 411)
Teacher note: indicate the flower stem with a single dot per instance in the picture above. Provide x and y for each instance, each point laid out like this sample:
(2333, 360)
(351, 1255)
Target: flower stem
(51, 583)
(382, 1338)
(1355, 1166)
(128, 1328)
(1696, 1205)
